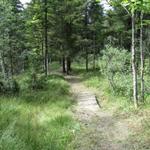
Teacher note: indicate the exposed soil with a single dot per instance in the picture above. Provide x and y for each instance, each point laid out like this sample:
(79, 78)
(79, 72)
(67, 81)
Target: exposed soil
(100, 130)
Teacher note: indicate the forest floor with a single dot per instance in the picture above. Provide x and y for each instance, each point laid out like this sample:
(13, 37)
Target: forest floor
(100, 128)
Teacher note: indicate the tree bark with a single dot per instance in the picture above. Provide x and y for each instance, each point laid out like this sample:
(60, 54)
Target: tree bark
(11, 69)
(134, 71)
(86, 36)
(142, 57)
(2, 66)
(42, 53)
(94, 53)
(64, 64)
(46, 38)
(87, 61)
(68, 65)
(2, 61)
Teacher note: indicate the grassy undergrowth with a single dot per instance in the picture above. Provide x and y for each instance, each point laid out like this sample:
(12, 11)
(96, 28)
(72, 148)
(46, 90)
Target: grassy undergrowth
(121, 106)
(37, 120)
(94, 79)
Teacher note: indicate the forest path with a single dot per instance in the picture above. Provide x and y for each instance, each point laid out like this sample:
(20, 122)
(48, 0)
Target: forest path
(100, 129)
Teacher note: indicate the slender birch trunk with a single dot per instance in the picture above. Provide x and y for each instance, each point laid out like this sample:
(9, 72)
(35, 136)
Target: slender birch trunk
(134, 71)
(2, 65)
(142, 57)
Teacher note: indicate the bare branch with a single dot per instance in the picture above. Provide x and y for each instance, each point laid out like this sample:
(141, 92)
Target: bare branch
(121, 5)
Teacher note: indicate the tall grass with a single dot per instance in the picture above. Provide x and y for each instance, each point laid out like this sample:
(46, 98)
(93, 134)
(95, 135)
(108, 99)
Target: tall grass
(38, 120)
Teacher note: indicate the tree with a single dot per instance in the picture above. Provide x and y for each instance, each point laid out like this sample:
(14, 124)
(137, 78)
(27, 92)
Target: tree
(134, 69)
(144, 7)
(130, 7)
(12, 38)
(65, 30)
(46, 37)
(96, 27)
(35, 32)
(133, 8)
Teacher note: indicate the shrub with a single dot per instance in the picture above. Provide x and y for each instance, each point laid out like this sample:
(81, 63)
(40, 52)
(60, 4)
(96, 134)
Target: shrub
(1, 87)
(115, 66)
(59, 85)
(9, 87)
(123, 85)
(14, 86)
(37, 82)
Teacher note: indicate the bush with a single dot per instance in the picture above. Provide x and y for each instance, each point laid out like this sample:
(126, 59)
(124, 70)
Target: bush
(37, 82)
(2, 87)
(115, 65)
(115, 60)
(123, 85)
(14, 86)
(9, 87)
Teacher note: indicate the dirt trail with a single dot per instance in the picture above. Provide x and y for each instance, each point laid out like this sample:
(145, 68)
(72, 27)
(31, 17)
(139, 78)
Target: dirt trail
(100, 129)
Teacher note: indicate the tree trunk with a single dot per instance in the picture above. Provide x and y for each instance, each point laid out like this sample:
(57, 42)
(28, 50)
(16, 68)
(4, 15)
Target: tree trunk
(86, 36)
(121, 40)
(68, 65)
(11, 61)
(64, 64)
(87, 61)
(43, 55)
(2, 61)
(46, 39)
(2, 65)
(94, 61)
(94, 53)
(134, 71)
(142, 57)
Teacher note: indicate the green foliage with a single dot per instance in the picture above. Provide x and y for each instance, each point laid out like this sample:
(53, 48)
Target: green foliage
(14, 86)
(115, 65)
(37, 82)
(96, 80)
(62, 88)
(9, 87)
(37, 120)
(115, 60)
(1, 86)
(34, 108)
(121, 99)
(12, 39)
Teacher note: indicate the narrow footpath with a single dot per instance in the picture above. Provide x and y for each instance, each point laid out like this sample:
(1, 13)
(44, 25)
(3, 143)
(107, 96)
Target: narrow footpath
(100, 130)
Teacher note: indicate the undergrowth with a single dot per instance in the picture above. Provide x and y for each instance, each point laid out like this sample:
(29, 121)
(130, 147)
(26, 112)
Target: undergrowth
(37, 119)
